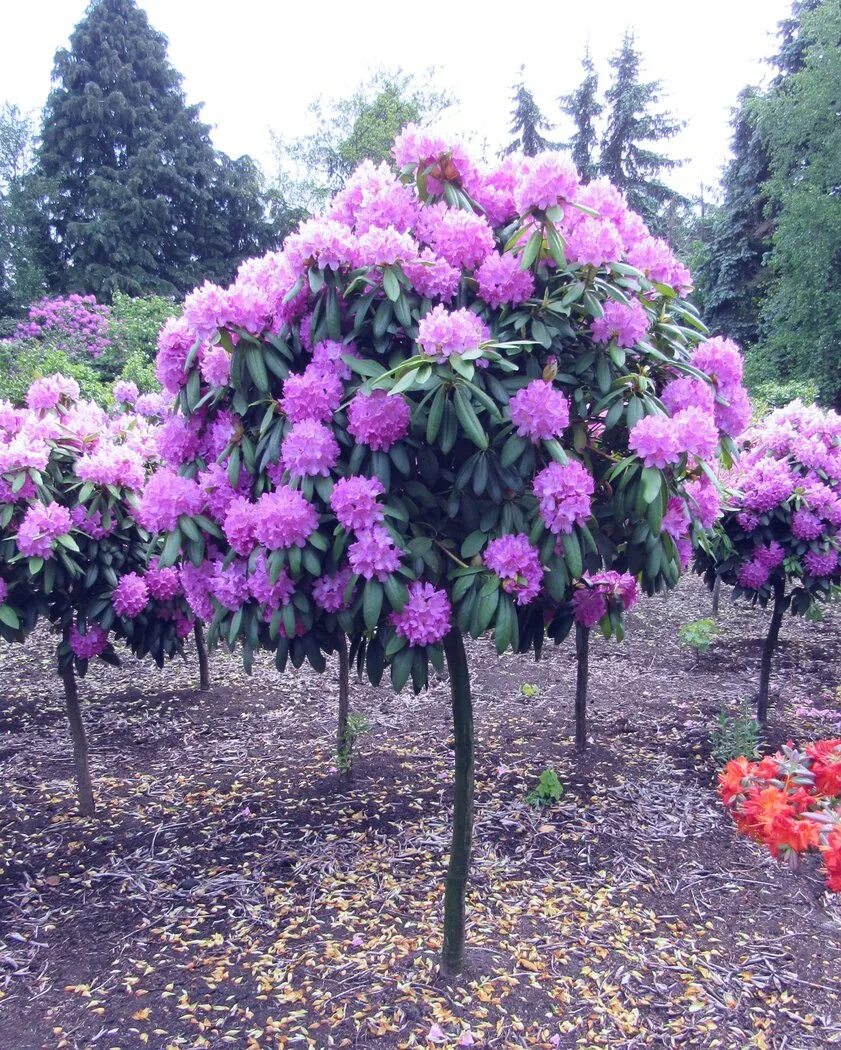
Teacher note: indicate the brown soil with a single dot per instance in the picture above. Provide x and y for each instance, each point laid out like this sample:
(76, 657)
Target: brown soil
(235, 890)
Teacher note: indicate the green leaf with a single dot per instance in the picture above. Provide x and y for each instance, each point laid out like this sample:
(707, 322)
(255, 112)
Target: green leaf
(473, 544)
(401, 668)
(652, 480)
(257, 368)
(532, 250)
(436, 412)
(9, 617)
(396, 591)
(572, 555)
(469, 420)
(372, 603)
(171, 550)
(390, 284)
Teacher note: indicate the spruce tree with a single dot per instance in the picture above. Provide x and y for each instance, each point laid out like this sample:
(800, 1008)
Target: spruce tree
(732, 279)
(527, 122)
(634, 126)
(584, 108)
(135, 174)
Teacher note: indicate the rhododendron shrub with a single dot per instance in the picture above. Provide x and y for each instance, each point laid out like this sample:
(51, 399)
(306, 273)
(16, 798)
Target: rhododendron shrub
(76, 324)
(790, 802)
(778, 539)
(72, 548)
(463, 400)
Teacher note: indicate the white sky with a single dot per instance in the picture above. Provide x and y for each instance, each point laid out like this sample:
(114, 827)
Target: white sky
(256, 64)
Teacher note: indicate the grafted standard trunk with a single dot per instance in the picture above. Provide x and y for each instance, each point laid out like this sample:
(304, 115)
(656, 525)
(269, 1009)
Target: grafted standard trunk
(582, 676)
(768, 649)
(452, 953)
(344, 694)
(87, 806)
(201, 650)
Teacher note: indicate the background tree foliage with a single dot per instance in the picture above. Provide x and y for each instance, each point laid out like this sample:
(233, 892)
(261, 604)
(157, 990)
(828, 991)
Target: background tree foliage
(139, 200)
(583, 107)
(527, 122)
(349, 130)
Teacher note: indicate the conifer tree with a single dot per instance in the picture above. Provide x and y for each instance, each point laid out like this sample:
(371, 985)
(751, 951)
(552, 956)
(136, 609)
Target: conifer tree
(527, 122)
(134, 171)
(584, 107)
(635, 124)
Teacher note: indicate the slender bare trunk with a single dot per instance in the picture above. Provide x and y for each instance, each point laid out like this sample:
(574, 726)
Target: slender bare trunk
(716, 597)
(452, 953)
(201, 652)
(87, 806)
(582, 654)
(344, 694)
(768, 649)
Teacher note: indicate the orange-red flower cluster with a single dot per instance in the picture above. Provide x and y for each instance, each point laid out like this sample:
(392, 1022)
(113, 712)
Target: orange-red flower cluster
(790, 801)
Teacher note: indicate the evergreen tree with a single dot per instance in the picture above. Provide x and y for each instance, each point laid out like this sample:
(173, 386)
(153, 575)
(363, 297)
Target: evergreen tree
(634, 125)
(134, 171)
(584, 108)
(732, 280)
(26, 259)
(799, 122)
(527, 122)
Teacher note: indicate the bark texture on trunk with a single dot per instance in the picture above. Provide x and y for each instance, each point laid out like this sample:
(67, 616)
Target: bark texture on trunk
(768, 649)
(582, 676)
(87, 806)
(201, 650)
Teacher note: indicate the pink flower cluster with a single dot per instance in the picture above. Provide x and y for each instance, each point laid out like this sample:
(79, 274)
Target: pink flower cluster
(564, 492)
(41, 526)
(72, 323)
(517, 563)
(443, 334)
(599, 593)
(378, 420)
(539, 411)
(425, 618)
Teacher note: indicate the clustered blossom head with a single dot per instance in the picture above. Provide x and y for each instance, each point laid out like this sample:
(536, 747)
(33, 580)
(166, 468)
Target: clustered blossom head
(309, 450)
(90, 644)
(41, 526)
(314, 394)
(125, 392)
(502, 280)
(564, 491)
(425, 618)
(131, 595)
(50, 391)
(378, 419)
(354, 502)
(443, 334)
(165, 498)
(373, 554)
(517, 563)
(328, 591)
(626, 324)
(539, 411)
(283, 519)
(600, 592)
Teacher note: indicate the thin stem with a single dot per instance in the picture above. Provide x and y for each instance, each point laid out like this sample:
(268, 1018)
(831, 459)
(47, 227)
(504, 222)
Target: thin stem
(450, 554)
(452, 953)
(582, 676)
(716, 596)
(201, 650)
(344, 694)
(87, 806)
(769, 647)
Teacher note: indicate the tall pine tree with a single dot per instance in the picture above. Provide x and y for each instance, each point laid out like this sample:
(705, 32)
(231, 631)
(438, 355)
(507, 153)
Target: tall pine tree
(135, 175)
(584, 108)
(731, 279)
(634, 126)
(527, 122)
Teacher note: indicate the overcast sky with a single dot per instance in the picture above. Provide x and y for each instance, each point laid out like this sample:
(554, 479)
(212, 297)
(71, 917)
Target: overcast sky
(256, 64)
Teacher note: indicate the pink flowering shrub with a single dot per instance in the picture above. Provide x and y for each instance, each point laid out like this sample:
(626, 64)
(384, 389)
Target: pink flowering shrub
(779, 536)
(464, 398)
(72, 545)
(76, 324)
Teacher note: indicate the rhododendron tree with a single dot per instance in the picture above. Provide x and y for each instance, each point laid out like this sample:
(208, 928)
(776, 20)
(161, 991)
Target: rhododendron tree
(790, 802)
(778, 539)
(77, 324)
(72, 548)
(462, 400)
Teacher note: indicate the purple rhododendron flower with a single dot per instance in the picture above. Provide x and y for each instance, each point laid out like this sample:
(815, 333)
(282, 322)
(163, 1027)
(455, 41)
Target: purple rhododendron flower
(442, 333)
(42, 524)
(309, 450)
(283, 519)
(564, 491)
(354, 502)
(328, 592)
(378, 420)
(131, 595)
(314, 394)
(501, 280)
(89, 645)
(626, 324)
(517, 563)
(166, 497)
(373, 554)
(425, 618)
(539, 411)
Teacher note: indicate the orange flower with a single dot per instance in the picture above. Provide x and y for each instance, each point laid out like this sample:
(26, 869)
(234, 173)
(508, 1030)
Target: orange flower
(826, 766)
(761, 808)
(788, 833)
(731, 780)
(832, 860)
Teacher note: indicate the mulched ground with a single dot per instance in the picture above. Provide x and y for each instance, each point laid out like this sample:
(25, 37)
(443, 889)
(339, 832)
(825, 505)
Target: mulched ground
(237, 891)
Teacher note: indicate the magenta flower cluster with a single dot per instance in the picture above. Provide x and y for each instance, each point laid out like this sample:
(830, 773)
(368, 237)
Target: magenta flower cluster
(76, 324)
(517, 563)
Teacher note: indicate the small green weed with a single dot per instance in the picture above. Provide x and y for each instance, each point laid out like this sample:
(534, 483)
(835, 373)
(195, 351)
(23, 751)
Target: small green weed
(549, 789)
(357, 726)
(735, 735)
(528, 690)
(698, 635)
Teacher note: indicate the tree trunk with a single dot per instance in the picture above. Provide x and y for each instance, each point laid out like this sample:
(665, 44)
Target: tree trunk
(344, 694)
(452, 954)
(716, 596)
(87, 806)
(201, 650)
(582, 653)
(768, 649)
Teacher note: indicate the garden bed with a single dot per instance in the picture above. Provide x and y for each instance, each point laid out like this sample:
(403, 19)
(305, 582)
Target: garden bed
(237, 891)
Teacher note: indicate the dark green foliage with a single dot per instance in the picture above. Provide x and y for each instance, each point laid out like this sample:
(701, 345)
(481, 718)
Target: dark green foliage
(527, 122)
(634, 125)
(732, 277)
(140, 200)
(26, 260)
(584, 107)
(799, 123)
(133, 330)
